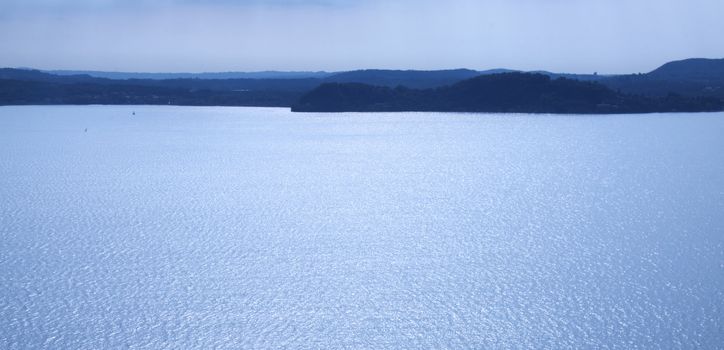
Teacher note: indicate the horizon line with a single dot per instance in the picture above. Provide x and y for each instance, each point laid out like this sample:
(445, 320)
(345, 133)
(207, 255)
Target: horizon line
(341, 71)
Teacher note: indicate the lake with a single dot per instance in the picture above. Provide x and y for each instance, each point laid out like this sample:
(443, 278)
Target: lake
(190, 227)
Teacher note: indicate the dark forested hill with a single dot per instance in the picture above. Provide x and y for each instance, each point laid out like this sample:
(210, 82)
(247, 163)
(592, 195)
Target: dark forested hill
(22, 92)
(509, 93)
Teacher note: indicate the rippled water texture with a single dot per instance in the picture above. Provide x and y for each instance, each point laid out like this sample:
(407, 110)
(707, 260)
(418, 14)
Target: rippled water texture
(258, 228)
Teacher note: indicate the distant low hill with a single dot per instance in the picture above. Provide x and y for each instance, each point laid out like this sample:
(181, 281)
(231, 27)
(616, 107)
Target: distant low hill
(694, 69)
(506, 93)
(36, 75)
(692, 77)
(22, 86)
(301, 84)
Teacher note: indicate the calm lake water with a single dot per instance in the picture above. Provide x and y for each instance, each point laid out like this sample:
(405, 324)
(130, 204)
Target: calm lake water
(183, 227)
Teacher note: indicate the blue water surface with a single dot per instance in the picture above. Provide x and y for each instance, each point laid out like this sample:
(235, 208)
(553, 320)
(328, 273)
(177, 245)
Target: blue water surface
(189, 227)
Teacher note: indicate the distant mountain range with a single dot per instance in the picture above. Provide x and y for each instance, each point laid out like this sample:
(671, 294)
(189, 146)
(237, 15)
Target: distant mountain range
(216, 75)
(382, 75)
(687, 78)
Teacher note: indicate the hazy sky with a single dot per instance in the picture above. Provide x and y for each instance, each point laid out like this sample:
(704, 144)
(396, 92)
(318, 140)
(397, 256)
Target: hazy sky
(583, 36)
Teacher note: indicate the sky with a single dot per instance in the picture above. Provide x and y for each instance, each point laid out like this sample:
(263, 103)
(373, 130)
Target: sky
(576, 36)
